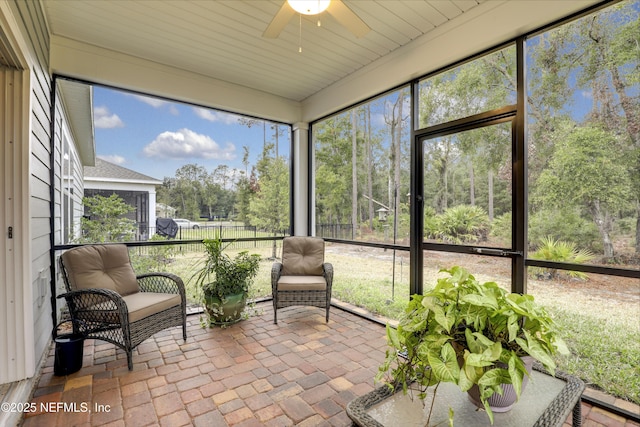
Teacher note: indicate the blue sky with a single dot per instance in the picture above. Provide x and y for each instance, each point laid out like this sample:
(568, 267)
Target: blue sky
(156, 137)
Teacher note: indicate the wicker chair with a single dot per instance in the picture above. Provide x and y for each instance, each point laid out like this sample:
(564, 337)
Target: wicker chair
(111, 303)
(302, 278)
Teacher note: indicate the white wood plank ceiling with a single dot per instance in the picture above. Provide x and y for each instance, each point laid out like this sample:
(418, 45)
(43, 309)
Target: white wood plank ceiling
(223, 38)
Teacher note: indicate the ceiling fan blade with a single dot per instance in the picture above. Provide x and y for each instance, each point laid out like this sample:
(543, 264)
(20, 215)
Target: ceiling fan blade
(348, 18)
(279, 21)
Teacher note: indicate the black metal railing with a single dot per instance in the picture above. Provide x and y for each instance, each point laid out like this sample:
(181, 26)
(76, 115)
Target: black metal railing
(335, 231)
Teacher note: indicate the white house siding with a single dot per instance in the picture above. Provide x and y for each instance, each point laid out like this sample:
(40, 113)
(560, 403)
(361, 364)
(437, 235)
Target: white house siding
(26, 24)
(68, 173)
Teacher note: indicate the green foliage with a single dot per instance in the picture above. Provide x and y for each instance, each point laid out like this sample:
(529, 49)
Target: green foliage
(588, 168)
(566, 224)
(471, 88)
(626, 226)
(605, 352)
(220, 275)
(560, 251)
(501, 228)
(269, 207)
(155, 259)
(106, 222)
(194, 192)
(459, 224)
(465, 332)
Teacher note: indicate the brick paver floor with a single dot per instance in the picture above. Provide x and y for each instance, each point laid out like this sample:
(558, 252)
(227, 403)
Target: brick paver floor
(302, 372)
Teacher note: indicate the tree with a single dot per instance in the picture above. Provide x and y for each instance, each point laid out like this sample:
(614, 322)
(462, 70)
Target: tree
(333, 169)
(598, 55)
(611, 48)
(395, 119)
(188, 188)
(458, 166)
(589, 169)
(269, 205)
(106, 221)
(245, 188)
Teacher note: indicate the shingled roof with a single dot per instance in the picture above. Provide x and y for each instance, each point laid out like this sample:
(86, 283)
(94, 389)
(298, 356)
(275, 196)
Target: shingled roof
(104, 170)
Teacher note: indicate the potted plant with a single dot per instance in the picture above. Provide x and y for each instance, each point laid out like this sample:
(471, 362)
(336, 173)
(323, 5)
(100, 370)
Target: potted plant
(471, 334)
(224, 281)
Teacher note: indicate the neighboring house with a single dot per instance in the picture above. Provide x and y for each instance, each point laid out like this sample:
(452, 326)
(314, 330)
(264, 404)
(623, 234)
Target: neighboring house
(134, 188)
(165, 211)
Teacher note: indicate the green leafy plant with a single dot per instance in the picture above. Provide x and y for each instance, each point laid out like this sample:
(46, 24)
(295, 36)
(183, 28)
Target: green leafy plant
(560, 251)
(221, 277)
(469, 333)
(459, 224)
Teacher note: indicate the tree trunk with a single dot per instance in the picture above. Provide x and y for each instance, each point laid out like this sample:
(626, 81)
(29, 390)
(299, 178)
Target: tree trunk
(490, 206)
(638, 227)
(605, 224)
(396, 179)
(472, 184)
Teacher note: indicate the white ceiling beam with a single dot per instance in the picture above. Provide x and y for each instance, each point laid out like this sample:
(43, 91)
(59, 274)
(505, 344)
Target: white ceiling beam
(83, 61)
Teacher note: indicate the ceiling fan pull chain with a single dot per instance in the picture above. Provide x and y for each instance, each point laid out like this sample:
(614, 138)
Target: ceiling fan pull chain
(300, 35)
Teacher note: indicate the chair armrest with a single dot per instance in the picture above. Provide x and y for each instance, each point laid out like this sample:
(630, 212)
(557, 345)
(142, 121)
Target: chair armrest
(276, 270)
(328, 275)
(166, 283)
(91, 297)
(96, 307)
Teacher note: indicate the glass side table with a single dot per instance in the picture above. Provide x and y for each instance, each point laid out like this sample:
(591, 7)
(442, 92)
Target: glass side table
(546, 401)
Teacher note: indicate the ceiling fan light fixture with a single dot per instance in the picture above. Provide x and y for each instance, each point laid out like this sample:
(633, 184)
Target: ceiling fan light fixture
(309, 7)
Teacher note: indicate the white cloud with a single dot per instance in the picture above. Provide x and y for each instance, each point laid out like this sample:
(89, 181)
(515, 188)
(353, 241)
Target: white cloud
(104, 119)
(216, 116)
(113, 158)
(185, 144)
(154, 102)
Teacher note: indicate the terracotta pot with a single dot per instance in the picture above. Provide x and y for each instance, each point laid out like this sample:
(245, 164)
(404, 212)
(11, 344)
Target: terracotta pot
(226, 311)
(505, 402)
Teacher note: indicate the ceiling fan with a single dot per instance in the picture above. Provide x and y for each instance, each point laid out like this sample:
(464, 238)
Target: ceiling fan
(335, 8)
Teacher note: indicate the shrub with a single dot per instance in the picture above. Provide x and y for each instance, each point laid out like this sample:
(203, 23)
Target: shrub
(501, 228)
(155, 259)
(565, 225)
(560, 251)
(463, 224)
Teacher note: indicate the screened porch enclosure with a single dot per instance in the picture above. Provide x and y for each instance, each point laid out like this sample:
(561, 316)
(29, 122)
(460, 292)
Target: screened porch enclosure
(467, 182)
(499, 136)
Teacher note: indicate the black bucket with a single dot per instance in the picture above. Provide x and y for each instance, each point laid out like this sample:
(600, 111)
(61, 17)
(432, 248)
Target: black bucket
(69, 351)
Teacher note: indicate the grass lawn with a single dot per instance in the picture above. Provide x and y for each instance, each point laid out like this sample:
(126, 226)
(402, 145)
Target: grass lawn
(602, 332)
